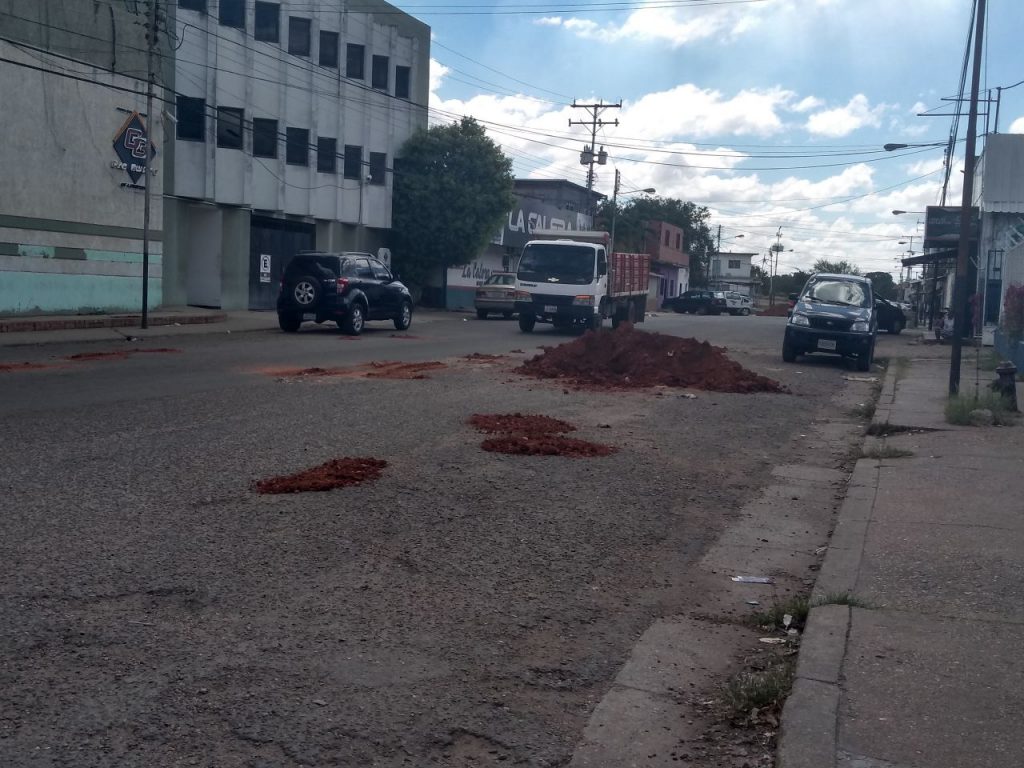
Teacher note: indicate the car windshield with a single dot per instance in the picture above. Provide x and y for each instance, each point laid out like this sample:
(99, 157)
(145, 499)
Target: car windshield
(572, 264)
(500, 280)
(828, 290)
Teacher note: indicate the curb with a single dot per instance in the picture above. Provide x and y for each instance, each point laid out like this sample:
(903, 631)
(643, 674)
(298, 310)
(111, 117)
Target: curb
(105, 321)
(808, 732)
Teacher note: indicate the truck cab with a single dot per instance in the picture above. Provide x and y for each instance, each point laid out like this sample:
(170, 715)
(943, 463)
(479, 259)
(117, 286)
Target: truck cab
(561, 282)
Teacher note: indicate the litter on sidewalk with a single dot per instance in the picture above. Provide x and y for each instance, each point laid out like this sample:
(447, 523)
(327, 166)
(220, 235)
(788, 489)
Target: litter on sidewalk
(753, 579)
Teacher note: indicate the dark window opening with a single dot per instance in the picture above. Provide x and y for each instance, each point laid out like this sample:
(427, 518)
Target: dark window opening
(327, 155)
(264, 137)
(299, 36)
(232, 13)
(191, 116)
(329, 49)
(229, 127)
(192, 5)
(297, 146)
(268, 22)
(379, 76)
(734, 263)
(355, 61)
(378, 167)
(353, 161)
(402, 77)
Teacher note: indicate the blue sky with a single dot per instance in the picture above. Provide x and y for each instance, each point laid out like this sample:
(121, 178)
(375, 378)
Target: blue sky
(716, 93)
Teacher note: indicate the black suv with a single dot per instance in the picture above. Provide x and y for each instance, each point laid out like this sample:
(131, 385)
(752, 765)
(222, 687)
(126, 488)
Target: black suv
(697, 302)
(891, 317)
(833, 314)
(349, 288)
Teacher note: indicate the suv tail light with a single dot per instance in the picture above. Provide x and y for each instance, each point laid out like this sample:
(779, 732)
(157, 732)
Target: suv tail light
(341, 284)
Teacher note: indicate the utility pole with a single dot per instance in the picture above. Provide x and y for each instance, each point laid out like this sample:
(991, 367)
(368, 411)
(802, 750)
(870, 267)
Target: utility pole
(773, 252)
(151, 32)
(615, 210)
(964, 244)
(588, 156)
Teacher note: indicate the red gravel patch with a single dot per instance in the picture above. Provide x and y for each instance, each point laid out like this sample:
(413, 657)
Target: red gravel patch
(519, 423)
(402, 370)
(336, 473)
(545, 445)
(626, 358)
(9, 367)
(375, 370)
(120, 354)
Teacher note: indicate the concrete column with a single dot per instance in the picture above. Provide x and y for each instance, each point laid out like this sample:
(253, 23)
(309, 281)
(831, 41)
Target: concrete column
(175, 253)
(235, 233)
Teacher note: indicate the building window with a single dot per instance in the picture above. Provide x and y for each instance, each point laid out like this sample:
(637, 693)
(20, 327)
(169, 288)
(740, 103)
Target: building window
(379, 75)
(192, 5)
(327, 155)
(378, 167)
(298, 36)
(268, 22)
(679, 241)
(402, 75)
(353, 161)
(329, 49)
(666, 238)
(355, 61)
(297, 146)
(229, 127)
(264, 137)
(191, 116)
(232, 13)
(734, 263)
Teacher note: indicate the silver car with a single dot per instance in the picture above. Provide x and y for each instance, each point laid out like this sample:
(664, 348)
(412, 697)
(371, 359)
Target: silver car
(497, 294)
(738, 303)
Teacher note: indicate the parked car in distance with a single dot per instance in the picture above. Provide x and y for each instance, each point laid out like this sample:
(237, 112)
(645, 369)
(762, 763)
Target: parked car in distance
(891, 316)
(497, 294)
(834, 314)
(697, 302)
(348, 288)
(738, 303)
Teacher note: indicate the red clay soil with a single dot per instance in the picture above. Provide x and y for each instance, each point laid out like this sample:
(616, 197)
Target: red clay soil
(401, 370)
(778, 310)
(545, 445)
(626, 358)
(336, 473)
(120, 354)
(375, 370)
(519, 423)
(8, 367)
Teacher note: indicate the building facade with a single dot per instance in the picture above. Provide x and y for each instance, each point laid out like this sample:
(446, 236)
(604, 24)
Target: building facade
(540, 204)
(287, 117)
(74, 157)
(670, 263)
(731, 272)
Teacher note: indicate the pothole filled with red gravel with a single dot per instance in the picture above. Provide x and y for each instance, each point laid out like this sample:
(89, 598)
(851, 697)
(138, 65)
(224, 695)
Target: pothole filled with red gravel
(625, 358)
(375, 370)
(532, 435)
(337, 473)
(519, 423)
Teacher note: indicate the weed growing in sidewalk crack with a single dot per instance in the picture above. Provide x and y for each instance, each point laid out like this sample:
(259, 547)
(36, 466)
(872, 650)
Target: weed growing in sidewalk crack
(764, 689)
(959, 408)
(842, 598)
(773, 617)
(885, 452)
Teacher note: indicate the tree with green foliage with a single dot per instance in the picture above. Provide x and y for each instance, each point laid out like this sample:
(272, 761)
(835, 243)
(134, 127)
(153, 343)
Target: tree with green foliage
(631, 227)
(835, 267)
(790, 283)
(882, 284)
(452, 188)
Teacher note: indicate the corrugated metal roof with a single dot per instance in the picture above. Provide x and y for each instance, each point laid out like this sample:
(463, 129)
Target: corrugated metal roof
(1002, 174)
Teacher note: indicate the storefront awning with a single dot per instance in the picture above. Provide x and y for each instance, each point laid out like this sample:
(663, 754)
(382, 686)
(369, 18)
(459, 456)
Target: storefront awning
(930, 258)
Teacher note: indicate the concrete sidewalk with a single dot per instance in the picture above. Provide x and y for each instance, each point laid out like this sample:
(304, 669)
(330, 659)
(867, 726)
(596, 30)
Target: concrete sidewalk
(929, 673)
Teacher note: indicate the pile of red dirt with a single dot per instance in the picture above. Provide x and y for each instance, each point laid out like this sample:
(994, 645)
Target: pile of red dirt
(518, 423)
(545, 445)
(336, 473)
(8, 367)
(375, 370)
(528, 435)
(120, 354)
(626, 358)
(776, 310)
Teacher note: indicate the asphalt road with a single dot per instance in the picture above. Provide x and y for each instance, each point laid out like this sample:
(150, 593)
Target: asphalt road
(469, 608)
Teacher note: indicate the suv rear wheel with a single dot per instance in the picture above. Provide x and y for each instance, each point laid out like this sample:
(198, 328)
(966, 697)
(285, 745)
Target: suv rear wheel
(289, 322)
(404, 317)
(354, 320)
(306, 292)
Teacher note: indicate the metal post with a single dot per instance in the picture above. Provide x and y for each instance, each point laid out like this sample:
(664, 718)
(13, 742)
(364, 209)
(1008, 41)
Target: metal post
(150, 45)
(964, 244)
(615, 210)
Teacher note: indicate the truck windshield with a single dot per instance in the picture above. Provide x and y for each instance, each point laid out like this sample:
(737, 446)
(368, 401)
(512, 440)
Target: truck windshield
(550, 262)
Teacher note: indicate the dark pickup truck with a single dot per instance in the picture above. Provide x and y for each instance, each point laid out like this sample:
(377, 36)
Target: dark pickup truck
(891, 318)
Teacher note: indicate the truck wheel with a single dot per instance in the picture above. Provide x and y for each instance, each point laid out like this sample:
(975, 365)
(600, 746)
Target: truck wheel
(745, 311)
(526, 322)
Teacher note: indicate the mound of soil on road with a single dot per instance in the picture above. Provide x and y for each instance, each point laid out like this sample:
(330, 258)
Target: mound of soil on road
(778, 310)
(628, 358)
(545, 445)
(336, 473)
(519, 423)
(121, 354)
(8, 367)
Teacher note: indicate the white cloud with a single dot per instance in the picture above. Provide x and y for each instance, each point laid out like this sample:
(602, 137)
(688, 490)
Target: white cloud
(437, 73)
(842, 121)
(1017, 126)
(548, 21)
(807, 104)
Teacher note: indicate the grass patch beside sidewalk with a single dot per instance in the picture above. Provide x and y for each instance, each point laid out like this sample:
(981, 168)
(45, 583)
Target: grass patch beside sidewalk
(959, 408)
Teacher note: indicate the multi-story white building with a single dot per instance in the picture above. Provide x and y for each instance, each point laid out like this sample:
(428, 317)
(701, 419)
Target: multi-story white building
(287, 117)
(731, 272)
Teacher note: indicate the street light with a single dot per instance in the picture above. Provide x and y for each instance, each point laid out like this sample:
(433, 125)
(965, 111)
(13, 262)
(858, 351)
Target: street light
(615, 204)
(898, 212)
(894, 147)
